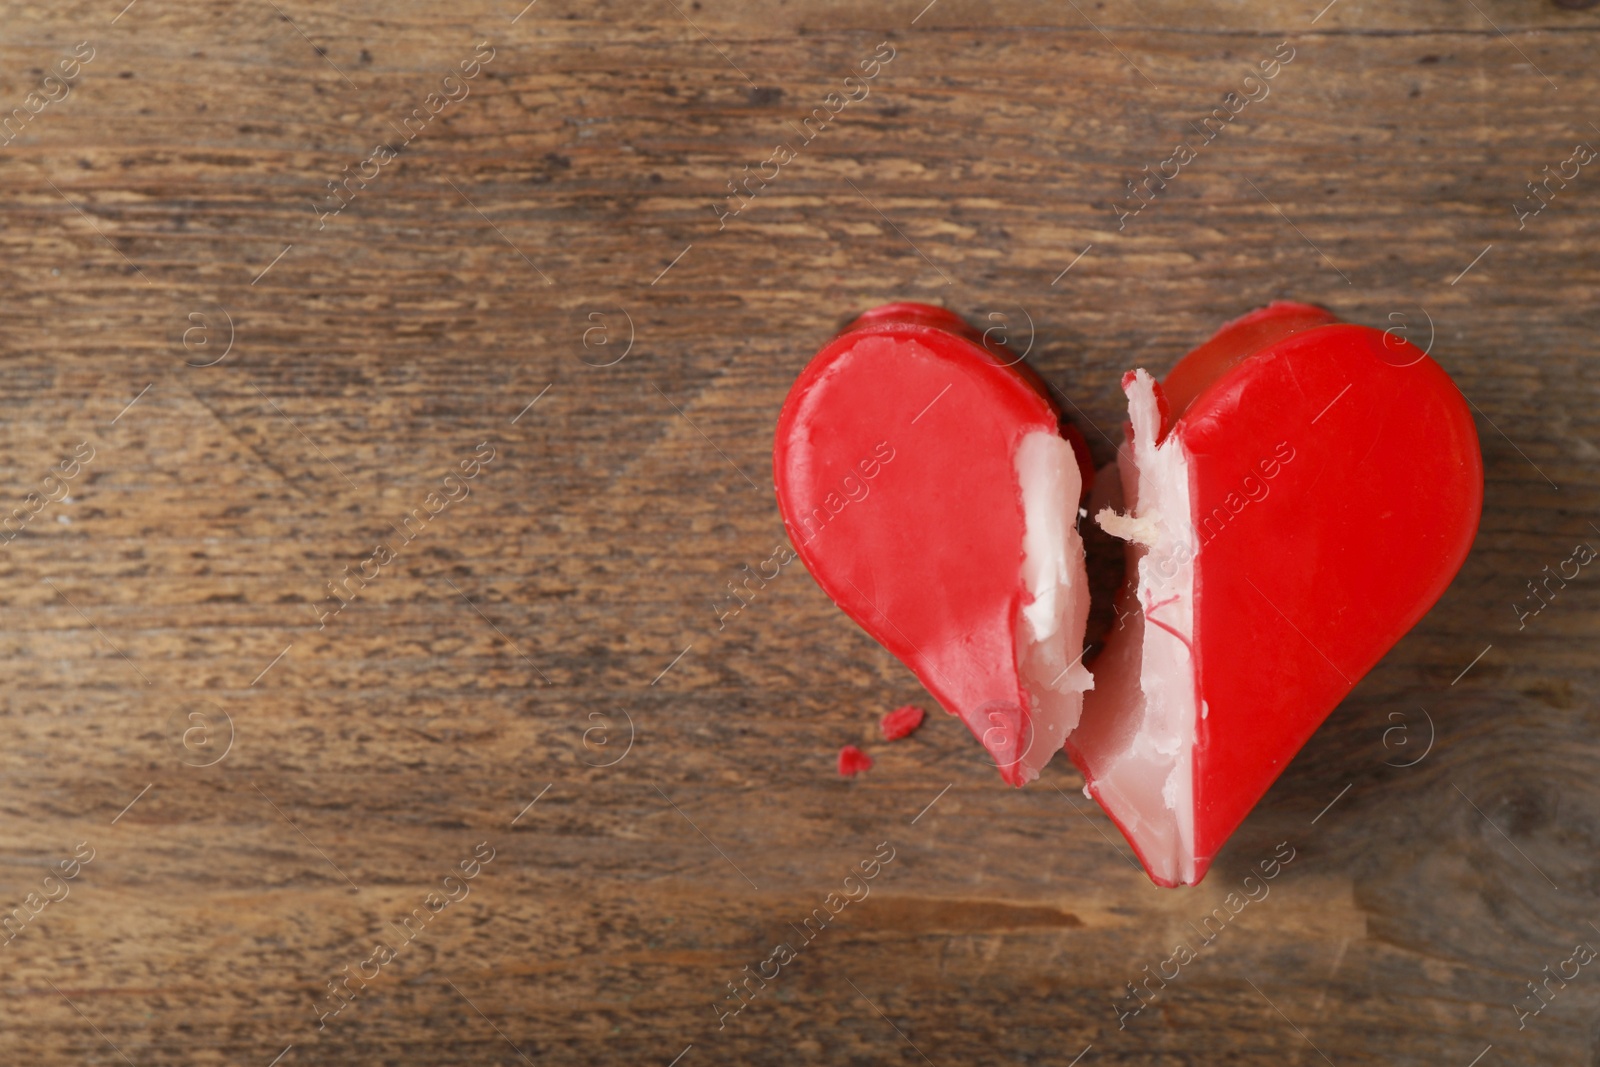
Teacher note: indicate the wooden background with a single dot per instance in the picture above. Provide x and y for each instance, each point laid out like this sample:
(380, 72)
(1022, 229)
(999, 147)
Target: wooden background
(164, 615)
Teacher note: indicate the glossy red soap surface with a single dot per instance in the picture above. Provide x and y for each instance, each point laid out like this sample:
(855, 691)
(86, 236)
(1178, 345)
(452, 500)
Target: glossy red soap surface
(894, 471)
(1235, 342)
(1337, 484)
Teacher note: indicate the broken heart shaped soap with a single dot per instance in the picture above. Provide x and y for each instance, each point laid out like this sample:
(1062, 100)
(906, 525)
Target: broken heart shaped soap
(1293, 504)
(1294, 497)
(932, 490)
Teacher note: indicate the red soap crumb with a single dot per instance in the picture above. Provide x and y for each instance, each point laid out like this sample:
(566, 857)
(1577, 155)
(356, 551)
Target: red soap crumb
(853, 761)
(901, 722)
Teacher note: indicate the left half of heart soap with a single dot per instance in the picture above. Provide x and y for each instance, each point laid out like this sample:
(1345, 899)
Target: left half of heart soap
(932, 490)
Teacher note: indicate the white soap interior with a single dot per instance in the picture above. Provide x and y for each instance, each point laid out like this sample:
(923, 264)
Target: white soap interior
(1138, 730)
(1050, 626)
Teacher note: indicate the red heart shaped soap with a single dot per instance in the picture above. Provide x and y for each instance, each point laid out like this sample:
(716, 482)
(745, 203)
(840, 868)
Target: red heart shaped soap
(932, 491)
(1308, 495)
(1295, 498)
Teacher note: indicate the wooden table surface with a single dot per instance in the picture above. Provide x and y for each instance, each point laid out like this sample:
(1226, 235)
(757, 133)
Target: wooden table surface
(221, 396)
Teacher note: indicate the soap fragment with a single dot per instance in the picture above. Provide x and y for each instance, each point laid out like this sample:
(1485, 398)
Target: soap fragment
(852, 761)
(901, 722)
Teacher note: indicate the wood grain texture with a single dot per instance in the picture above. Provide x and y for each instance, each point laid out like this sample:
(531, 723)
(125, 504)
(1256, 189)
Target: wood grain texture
(168, 605)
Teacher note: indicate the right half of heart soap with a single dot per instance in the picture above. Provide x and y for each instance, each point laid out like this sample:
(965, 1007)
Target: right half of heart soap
(1294, 502)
